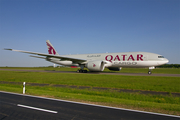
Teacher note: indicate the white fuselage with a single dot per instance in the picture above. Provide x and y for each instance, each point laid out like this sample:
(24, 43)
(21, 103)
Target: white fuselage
(126, 59)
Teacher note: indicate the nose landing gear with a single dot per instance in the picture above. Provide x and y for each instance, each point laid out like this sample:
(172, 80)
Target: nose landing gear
(150, 70)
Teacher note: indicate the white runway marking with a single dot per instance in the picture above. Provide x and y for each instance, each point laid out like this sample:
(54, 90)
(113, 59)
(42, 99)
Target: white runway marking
(36, 108)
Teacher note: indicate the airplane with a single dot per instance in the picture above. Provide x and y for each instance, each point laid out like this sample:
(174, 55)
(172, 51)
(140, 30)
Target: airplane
(97, 62)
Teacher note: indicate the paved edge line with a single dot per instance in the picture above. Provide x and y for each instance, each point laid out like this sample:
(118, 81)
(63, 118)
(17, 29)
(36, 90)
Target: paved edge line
(94, 105)
(35, 108)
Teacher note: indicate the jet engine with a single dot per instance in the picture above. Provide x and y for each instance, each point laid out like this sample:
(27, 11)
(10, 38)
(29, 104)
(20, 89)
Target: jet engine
(114, 68)
(95, 65)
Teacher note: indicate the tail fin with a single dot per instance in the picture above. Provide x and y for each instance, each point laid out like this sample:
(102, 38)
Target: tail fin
(51, 49)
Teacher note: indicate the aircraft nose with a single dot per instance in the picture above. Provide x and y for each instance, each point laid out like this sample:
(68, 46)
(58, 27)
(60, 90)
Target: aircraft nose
(166, 60)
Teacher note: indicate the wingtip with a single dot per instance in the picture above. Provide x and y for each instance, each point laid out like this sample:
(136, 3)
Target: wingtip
(8, 49)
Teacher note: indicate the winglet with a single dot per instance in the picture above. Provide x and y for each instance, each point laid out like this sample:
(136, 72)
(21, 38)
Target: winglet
(8, 49)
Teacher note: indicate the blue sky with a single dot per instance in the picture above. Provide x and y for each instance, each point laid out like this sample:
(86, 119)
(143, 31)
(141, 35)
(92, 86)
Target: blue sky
(88, 26)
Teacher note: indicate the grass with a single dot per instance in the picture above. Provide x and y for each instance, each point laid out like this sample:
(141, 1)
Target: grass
(155, 103)
(151, 83)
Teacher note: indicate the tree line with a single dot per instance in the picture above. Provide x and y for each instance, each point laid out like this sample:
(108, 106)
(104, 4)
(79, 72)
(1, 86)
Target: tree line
(169, 66)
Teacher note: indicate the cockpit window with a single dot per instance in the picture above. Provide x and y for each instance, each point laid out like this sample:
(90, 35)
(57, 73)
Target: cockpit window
(160, 56)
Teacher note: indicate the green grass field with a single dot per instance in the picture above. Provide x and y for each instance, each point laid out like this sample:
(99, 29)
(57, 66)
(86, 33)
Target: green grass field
(167, 104)
(153, 83)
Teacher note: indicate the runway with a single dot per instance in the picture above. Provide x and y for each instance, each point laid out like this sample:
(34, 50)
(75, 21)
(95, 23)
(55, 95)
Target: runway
(105, 73)
(17, 106)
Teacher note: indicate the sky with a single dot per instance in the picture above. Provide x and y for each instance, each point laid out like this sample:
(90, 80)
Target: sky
(88, 26)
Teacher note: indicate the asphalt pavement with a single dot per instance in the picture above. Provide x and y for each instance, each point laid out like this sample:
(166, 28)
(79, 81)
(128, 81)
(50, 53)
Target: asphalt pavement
(20, 107)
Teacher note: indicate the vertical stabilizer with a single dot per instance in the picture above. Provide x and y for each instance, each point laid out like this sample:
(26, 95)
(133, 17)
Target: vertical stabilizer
(51, 49)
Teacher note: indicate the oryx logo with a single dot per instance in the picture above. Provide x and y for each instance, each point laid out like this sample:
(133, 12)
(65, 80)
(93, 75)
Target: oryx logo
(94, 65)
(51, 49)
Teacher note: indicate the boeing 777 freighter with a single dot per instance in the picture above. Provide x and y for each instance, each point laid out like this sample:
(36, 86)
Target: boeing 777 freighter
(99, 61)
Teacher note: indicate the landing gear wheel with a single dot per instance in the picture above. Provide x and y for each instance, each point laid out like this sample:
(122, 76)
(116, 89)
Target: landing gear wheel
(149, 72)
(81, 71)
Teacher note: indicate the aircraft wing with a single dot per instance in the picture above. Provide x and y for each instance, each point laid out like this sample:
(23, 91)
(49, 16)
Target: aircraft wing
(76, 60)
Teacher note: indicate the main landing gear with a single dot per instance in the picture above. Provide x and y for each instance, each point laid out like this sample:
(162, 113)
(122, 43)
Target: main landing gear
(81, 70)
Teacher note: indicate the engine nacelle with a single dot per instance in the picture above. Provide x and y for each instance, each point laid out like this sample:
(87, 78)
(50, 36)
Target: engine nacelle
(114, 68)
(95, 65)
